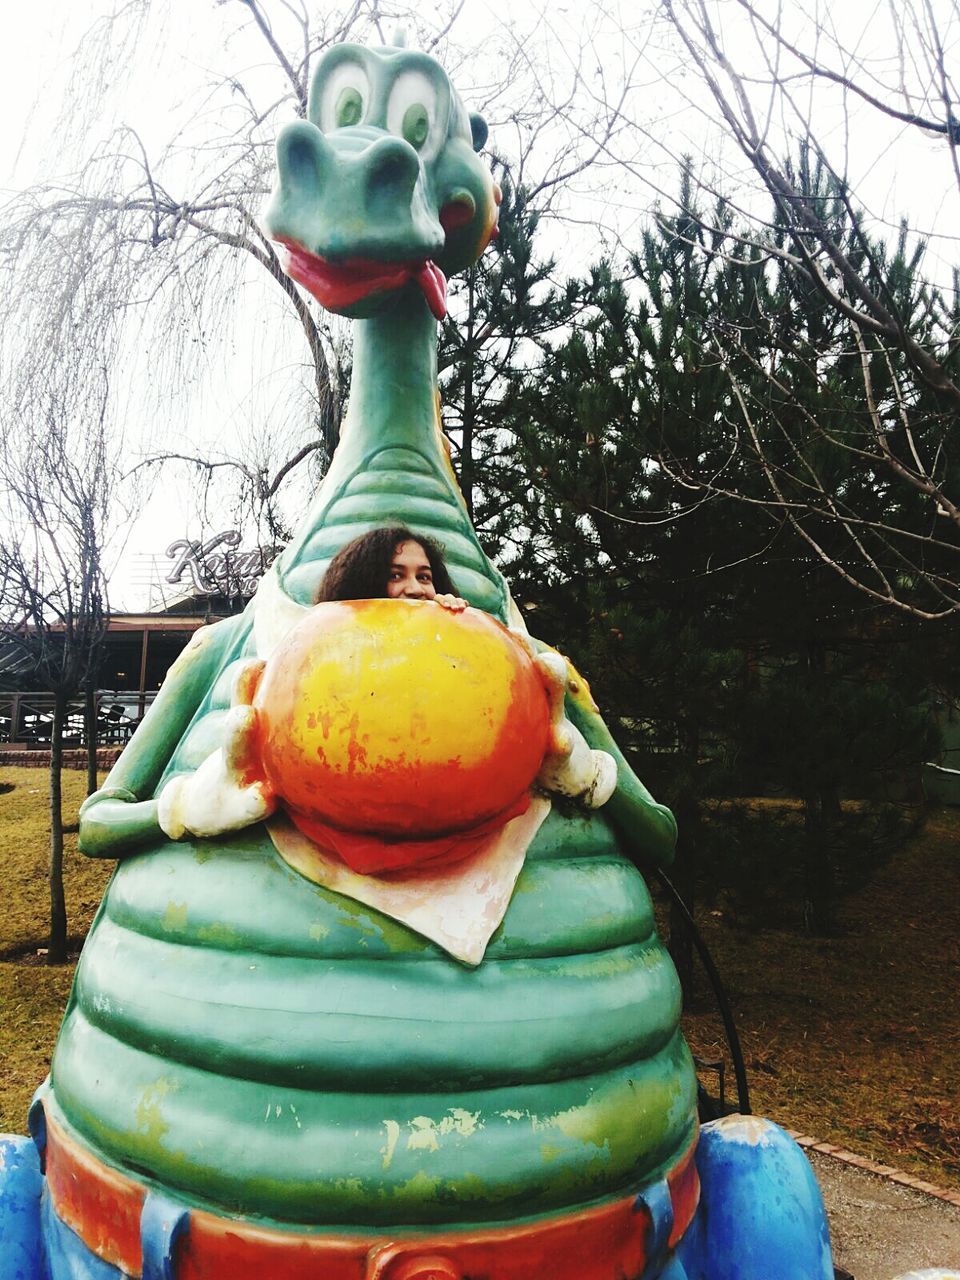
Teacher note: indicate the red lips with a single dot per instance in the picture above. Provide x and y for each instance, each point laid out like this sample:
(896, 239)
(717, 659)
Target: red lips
(339, 285)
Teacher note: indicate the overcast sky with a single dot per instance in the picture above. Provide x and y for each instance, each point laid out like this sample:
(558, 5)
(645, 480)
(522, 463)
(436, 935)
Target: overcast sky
(897, 172)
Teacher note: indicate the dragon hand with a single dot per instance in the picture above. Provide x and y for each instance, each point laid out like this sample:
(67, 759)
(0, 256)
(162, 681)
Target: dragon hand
(571, 767)
(225, 793)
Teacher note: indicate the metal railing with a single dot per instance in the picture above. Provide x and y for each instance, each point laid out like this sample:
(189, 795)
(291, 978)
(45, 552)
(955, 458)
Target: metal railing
(26, 719)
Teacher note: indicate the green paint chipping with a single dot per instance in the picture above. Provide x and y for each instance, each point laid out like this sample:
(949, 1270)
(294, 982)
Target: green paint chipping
(175, 917)
(150, 1121)
(423, 1135)
(581, 1125)
(352, 1186)
(395, 937)
(471, 1188)
(525, 884)
(218, 934)
(318, 931)
(466, 1123)
(418, 1189)
(610, 1120)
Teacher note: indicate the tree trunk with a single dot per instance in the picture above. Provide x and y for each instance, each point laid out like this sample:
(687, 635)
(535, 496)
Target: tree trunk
(90, 737)
(57, 946)
(819, 881)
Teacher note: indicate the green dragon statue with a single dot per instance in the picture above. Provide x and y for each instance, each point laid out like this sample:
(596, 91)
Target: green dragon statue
(258, 1074)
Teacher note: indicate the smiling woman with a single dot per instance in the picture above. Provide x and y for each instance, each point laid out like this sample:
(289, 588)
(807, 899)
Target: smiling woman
(389, 562)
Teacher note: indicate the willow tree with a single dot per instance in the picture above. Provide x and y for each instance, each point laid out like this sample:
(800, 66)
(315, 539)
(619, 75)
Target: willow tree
(144, 239)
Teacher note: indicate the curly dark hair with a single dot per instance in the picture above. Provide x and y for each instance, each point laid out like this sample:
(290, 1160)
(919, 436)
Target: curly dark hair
(361, 569)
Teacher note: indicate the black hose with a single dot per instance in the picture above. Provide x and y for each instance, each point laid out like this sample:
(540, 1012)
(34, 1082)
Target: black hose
(726, 1013)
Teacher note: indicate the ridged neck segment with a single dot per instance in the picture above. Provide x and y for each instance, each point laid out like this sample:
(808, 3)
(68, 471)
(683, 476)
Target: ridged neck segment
(391, 465)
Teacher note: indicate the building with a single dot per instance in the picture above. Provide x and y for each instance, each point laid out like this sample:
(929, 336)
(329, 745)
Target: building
(210, 580)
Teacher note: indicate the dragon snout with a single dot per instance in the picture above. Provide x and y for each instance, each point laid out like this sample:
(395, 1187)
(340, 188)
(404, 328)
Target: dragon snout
(357, 194)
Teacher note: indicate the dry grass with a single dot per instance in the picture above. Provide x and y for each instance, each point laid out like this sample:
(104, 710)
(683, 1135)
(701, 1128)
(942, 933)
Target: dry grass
(854, 1038)
(32, 995)
(24, 850)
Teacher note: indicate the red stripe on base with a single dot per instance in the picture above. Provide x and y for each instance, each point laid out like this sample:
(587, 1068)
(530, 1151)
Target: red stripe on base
(101, 1205)
(604, 1243)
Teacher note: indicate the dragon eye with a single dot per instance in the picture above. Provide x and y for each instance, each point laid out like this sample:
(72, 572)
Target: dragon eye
(416, 125)
(349, 109)
(342, 97)
(414, 110)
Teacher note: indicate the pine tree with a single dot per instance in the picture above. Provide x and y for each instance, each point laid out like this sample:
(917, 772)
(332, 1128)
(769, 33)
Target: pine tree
(699, 618)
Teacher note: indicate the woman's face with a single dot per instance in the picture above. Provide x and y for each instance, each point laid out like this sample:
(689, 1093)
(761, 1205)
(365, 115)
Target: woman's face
(410, 576)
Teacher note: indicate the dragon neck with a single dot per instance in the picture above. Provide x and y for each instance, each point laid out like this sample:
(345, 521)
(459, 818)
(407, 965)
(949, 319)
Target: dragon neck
(393, 405)
(391, 465)
(393, 395)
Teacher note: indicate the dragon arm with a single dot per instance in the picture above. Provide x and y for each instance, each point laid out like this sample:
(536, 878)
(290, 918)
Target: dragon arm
(113, 822)
(228, 791)
(122, 815)
(648, 829)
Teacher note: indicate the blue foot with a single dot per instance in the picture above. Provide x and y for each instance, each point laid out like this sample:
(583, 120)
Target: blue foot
(21, 1250)
(760, 1212)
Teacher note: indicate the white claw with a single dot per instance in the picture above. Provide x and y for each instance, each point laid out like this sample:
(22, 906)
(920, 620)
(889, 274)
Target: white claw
(570, 767)
(220, 796)
(604, 781)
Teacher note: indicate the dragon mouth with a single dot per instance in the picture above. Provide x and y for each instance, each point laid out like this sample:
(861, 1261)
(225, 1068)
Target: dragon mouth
(337, 286)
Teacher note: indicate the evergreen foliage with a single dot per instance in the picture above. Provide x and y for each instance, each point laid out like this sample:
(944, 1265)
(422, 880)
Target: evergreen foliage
(729, 657)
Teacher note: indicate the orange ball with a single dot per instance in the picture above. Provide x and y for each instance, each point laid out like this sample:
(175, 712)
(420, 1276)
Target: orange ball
(401, 718)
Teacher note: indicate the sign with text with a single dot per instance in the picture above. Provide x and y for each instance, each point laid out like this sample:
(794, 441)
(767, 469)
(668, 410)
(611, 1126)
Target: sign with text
(216, 567)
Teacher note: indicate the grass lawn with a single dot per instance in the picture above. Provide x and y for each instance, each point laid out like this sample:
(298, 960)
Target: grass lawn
(854, 1038)
(32, 995)
(24, 849)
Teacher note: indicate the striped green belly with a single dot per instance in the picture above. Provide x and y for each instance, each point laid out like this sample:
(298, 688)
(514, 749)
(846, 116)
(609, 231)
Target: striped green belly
(259, 1044)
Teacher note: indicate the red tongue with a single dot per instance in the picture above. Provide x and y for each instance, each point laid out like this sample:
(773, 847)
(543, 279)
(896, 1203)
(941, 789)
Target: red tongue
(434, 285)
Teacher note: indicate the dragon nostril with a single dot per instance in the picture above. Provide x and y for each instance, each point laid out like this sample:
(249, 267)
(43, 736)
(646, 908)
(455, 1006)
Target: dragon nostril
(302, 154)
(457, 211)
(390, 169)
(393, 163)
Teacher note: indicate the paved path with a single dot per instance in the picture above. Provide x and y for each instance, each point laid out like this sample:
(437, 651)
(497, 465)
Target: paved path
(880, 1229)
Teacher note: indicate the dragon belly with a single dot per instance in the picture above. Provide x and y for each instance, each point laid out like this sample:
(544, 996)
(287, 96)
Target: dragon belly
(257, 1044)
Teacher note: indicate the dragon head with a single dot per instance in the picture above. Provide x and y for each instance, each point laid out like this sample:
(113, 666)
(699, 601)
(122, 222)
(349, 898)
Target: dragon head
(380, 186)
